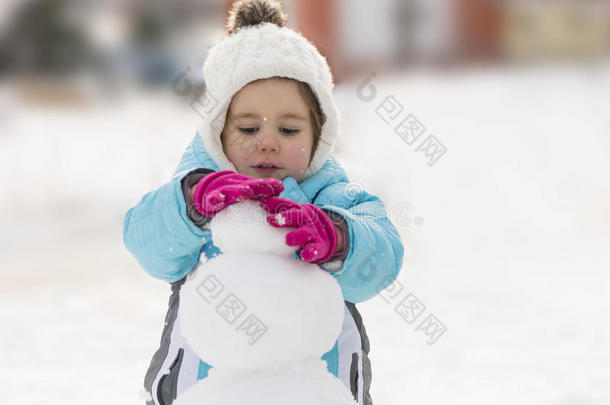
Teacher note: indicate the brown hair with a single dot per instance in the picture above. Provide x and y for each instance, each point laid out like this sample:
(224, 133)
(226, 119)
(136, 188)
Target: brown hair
(316, 115)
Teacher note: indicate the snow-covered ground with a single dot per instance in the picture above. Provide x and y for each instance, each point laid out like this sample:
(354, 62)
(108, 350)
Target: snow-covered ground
(507, 238)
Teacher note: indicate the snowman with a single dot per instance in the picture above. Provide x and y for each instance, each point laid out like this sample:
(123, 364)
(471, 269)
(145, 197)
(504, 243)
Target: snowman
(261, 318)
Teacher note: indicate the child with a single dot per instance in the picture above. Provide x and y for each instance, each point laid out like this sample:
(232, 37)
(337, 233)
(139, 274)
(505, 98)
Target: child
(268, 134)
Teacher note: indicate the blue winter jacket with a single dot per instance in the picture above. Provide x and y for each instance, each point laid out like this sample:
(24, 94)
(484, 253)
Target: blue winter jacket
(167, 244)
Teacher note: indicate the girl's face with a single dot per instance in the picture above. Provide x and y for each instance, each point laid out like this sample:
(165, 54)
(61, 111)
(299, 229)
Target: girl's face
(268, 124)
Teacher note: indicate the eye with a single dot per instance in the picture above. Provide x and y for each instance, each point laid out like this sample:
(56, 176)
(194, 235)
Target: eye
(248, 130)
(289, 131)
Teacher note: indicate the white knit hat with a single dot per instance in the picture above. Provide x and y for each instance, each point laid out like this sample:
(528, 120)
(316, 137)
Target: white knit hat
(259, 52)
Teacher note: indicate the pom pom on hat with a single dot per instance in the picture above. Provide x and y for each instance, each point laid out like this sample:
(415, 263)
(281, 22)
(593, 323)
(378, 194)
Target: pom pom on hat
(253, 12)
(259, 46)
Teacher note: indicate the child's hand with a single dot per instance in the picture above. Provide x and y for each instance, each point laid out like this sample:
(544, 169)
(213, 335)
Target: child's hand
(218, 190)
(314, 232)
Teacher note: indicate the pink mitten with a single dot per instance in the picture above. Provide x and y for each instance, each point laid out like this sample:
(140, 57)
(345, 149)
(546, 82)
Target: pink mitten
(314, 231)
(218, 190)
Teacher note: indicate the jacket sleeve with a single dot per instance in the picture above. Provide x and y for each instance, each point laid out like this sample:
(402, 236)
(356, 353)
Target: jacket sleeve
(375, 252)
(158, 231)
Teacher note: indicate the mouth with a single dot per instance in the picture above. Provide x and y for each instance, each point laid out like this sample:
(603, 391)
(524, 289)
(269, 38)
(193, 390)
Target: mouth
(266, 168)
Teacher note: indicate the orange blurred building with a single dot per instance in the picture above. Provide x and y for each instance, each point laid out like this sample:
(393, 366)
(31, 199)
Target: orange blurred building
(358, 36)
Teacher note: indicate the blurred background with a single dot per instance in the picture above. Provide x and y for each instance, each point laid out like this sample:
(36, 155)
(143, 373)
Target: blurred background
(499, 187)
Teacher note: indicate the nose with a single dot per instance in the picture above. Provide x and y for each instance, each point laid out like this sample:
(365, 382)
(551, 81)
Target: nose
(268, 143)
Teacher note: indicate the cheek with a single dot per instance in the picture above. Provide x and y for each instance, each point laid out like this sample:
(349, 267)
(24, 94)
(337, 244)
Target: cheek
(300, 154)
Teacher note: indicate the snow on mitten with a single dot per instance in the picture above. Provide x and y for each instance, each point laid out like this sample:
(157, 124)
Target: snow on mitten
(314, 232)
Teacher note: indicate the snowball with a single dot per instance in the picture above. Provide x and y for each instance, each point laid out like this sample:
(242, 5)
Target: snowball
(303, 384)
(257, 310)
(243, 227)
